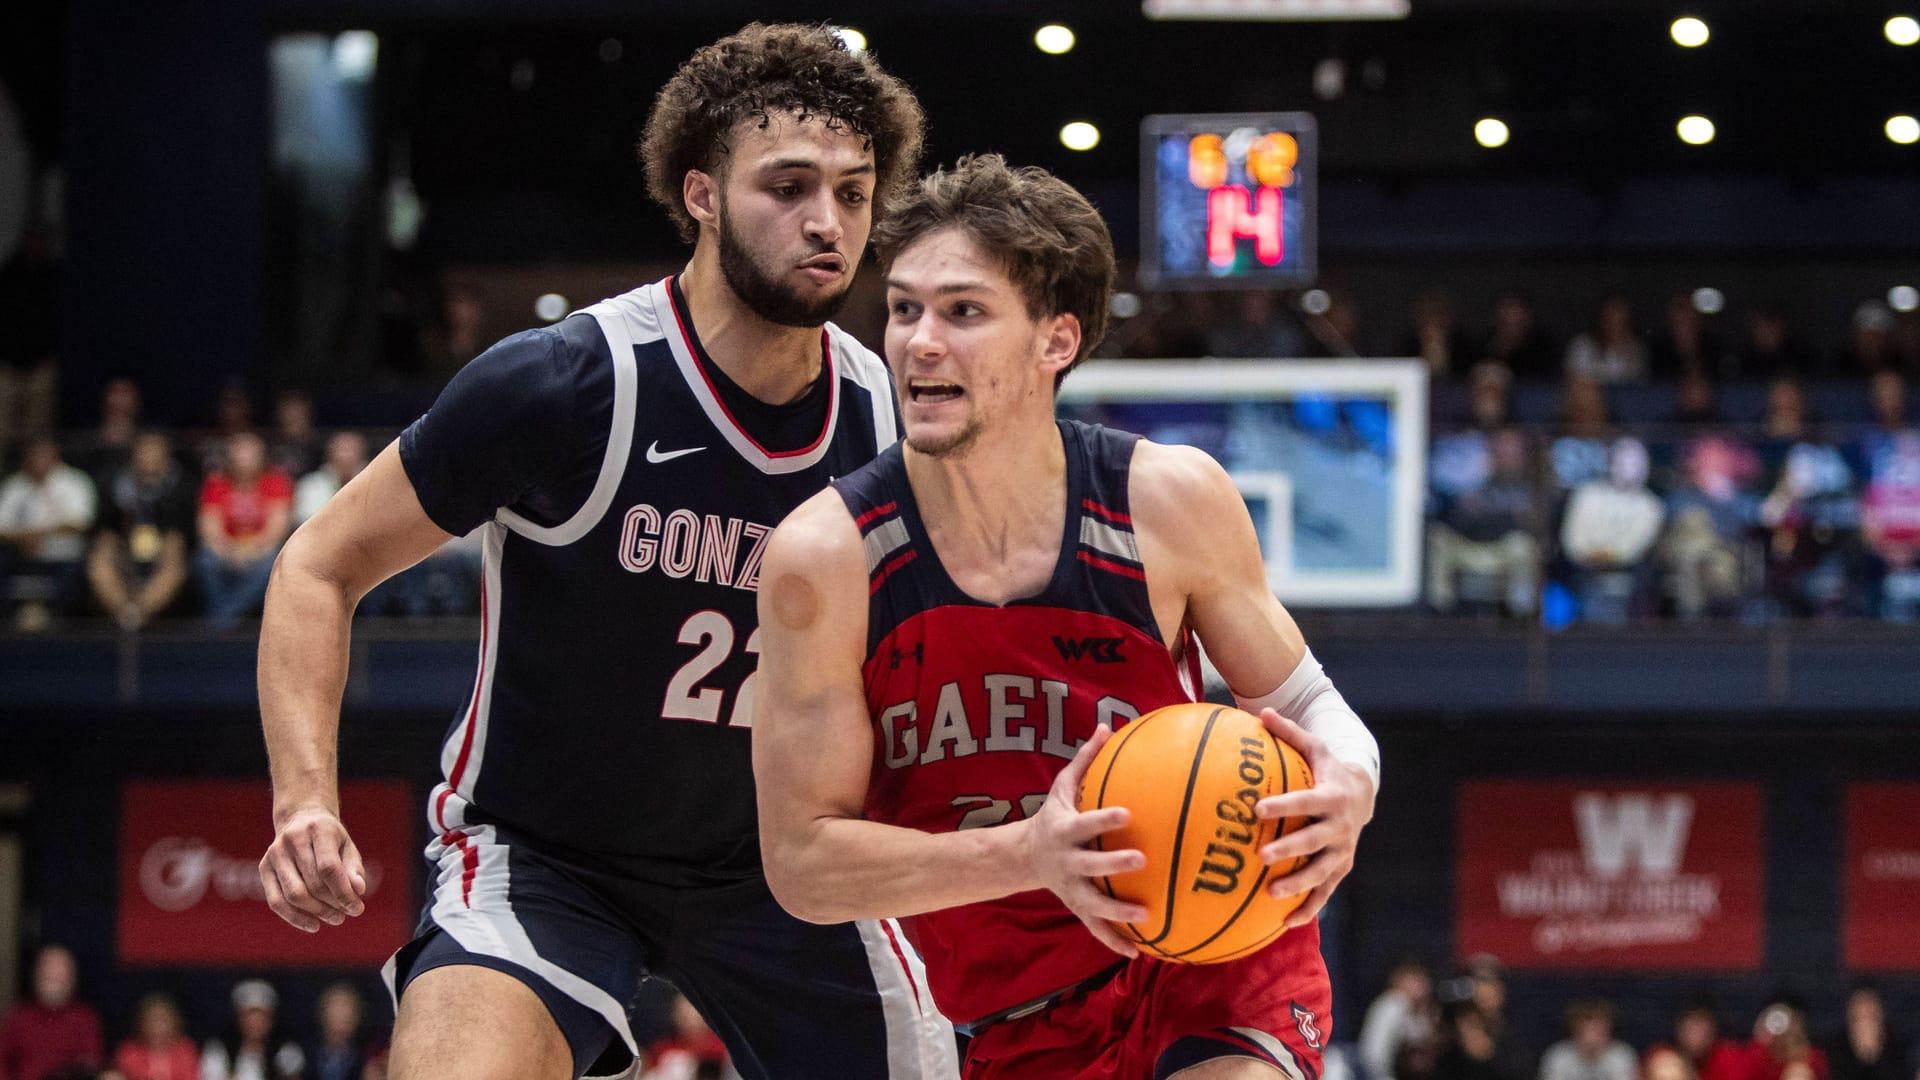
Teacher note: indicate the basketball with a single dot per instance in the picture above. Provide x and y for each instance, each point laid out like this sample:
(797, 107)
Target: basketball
(1189, 775)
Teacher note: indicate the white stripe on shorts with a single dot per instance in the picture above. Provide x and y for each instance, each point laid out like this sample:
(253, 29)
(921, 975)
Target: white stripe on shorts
(920, 1044)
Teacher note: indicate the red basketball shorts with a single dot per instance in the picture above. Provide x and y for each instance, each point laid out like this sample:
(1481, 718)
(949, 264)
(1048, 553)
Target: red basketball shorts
(1156, 1018)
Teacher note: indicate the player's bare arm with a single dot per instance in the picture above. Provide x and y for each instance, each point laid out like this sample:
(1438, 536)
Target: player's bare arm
(813, 753)
(1218, 585)
(371, 530)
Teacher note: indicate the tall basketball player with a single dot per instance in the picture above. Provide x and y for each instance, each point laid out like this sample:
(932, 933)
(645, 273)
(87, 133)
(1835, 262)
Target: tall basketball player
(625, 468)
(921, 733)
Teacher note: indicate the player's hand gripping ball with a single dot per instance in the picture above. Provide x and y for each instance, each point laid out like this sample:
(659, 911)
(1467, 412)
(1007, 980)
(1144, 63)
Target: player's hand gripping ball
(1189, 776)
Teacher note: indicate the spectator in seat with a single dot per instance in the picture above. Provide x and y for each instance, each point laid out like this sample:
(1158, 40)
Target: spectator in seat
(1609, 529)
(1400, 1031)
(1808, 521)
(1887, 399)
(54, 1031)
(1780, 1049)
(253, 1048)
(1590, 1052)
(245, 514)
(45, 511)
(1871, 348)
(1890, 526)
(30, 330)
(1491, 395)
(1666, 1063)
(1696, 401)
(138, 560)
(1479, 547)
(104, 451)
(159, 1048)
(1697, 1040)
(1771, 348)
(346, 456)
(1711, 514)
(1580, 452)
(1517, 341)
(1612, 352)
(1866, 1048)
(691, 1052)
(1684, 346)
(1437, 337)
(295, 447)
(1470, 1052)
(1334, 332)
(342, 1051)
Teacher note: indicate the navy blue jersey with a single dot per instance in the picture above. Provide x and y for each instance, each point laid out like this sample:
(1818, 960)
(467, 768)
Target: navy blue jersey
(625, 490)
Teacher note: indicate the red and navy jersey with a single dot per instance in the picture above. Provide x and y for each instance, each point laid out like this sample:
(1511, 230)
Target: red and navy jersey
(625, 489)
(977, 707)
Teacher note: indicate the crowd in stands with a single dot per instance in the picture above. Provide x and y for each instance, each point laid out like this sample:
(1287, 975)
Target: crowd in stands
(1417, 1029)
(1619, 475)
(55, 1035)
(135, 523)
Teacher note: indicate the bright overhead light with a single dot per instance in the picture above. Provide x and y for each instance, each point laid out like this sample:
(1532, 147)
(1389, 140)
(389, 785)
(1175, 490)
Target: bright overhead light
(854, 40)
(551, 307)
(1903, 129)
(1689, 32)
(1903, 30)
(1903, 298)
(1695, 130)
(1708, 300)
(1490, 133)
(1080, 135)
(1053, 39)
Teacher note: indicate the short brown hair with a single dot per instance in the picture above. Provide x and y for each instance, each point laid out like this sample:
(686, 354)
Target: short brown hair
(765, 70)
(1052, 242)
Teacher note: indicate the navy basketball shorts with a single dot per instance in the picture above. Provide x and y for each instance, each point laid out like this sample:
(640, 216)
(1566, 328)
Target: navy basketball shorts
(792, 1000)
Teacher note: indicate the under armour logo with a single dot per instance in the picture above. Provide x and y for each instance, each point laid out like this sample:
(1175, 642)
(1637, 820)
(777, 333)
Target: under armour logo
(919, 655)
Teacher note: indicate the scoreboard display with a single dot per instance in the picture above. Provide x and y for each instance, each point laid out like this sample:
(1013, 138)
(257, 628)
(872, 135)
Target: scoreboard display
(1227, 201)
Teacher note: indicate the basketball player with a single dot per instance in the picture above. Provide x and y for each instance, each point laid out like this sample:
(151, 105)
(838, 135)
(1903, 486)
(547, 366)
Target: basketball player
(624, 467)
(949, 634)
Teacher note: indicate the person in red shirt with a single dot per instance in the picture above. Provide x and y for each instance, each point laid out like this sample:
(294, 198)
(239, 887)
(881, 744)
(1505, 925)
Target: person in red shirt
(246, 511)
(53, 1031)
(159, 1048)
(1697, 1039)
(692, 1052)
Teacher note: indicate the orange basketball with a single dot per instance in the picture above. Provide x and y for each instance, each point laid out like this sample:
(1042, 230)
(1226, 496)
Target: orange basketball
(1189, 776)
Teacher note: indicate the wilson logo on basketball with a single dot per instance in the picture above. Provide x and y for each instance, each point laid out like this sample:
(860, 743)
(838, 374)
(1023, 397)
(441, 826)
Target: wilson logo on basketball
(1220, 870)
(1100, 650)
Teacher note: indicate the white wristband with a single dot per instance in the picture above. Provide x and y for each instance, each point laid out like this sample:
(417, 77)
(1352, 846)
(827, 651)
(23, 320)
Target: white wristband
(1309, 699)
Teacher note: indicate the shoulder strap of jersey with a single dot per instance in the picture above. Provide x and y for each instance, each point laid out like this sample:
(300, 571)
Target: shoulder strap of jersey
(1112, 575)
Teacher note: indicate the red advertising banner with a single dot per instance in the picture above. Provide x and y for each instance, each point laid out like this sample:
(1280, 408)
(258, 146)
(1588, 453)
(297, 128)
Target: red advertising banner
(1882, 910)
(190, 890)
(1611, 875)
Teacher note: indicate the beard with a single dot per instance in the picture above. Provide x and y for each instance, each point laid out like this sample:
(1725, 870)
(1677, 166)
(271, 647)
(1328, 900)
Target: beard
(949, 445)
(763, 294)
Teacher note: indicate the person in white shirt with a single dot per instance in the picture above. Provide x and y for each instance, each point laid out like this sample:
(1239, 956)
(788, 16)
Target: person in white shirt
(1609, 529)
(1401, 1018)
(1591, 1053)
(346, 456)
(45, 511)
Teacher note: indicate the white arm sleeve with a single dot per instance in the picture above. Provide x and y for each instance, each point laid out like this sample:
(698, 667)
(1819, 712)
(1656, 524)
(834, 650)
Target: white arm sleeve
(1308, 698)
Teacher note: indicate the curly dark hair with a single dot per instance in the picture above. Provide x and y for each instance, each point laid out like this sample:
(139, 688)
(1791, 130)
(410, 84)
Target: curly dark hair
(1052, 242)
(766, 70)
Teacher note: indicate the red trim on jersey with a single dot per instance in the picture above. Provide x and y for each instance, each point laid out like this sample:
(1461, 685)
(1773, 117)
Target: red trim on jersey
(473, 715)
(887, 571)
(826, 357)
(900, 955)
(1099, 563)
(469, 861)
(887, 508)
(1111, 515)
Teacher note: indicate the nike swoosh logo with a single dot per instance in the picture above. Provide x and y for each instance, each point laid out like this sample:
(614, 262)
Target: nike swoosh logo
(655, 457)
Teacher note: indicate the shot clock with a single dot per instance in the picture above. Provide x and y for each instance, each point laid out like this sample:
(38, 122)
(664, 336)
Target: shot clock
(1227, 201)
